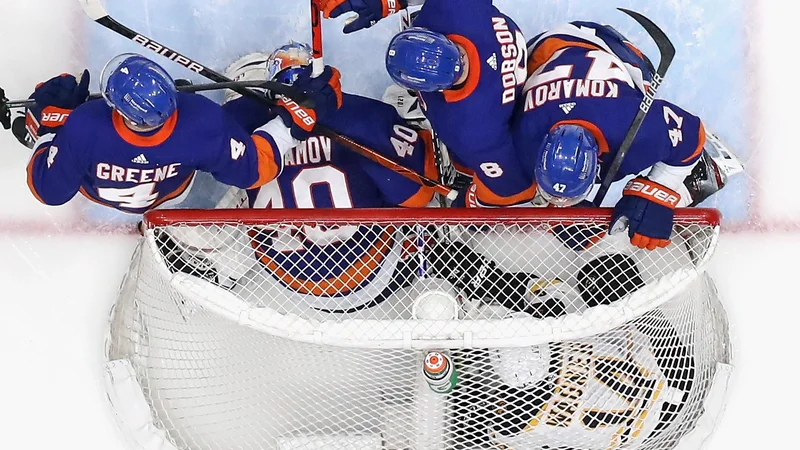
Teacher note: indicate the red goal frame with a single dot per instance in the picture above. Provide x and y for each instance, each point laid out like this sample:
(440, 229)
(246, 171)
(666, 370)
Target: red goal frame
(523, 215)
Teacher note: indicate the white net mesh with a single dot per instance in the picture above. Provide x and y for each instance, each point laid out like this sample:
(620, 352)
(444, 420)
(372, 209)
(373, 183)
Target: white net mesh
(276, 330)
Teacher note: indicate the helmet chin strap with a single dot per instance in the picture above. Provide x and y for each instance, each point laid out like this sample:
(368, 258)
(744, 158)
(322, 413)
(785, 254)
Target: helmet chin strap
(464, 65)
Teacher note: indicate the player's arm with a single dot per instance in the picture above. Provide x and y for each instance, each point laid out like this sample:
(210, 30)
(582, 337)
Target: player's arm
(247, 160)
(57, 166)
(251, 161)
(670, 143)
(681, 136)
(369, 12)
(667, 146)
(379, 127)
(675, 359)
(248, 113)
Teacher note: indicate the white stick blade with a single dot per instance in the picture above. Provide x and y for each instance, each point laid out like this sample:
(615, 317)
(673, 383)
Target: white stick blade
(93, 8)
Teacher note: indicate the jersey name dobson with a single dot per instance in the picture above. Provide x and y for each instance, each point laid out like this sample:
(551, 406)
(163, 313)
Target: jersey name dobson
(514, 53)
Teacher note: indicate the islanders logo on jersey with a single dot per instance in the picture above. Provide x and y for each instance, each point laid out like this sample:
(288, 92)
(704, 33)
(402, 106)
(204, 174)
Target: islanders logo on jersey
(323, 261)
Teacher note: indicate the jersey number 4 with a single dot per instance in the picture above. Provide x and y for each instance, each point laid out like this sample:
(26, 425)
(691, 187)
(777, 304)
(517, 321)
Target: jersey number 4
(136, 197)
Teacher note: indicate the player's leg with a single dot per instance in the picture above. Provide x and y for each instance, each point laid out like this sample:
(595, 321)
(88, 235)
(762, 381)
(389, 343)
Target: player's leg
(712, 171)
(481, 279)
(220, 254)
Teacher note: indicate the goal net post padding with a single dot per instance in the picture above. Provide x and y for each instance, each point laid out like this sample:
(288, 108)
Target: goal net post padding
(306, 329)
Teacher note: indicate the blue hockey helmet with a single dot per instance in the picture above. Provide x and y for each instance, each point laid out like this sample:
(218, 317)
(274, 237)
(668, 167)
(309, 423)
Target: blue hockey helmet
(422, 60)
(288, 62)
(139, 89)
(567, 166)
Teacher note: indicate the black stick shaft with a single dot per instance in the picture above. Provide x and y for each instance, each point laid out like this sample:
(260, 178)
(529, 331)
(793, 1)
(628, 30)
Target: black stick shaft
(667, 51)
(188, 88)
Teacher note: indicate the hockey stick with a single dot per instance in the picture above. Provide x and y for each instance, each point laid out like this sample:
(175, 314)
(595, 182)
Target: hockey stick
(305, 101)
(95, 10)
(317, 65)
(667, 51)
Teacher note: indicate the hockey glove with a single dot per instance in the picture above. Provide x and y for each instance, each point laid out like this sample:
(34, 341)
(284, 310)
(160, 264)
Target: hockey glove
(55, 99)
(369, 11)
(326, 93)
(647, 208)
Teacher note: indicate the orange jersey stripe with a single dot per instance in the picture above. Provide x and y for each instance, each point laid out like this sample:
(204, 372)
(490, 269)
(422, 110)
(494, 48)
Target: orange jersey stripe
(635, 49)
(701, 143)
(29, 169)
(545, 50)
(602, 143)
(177, 192)
(344, 283)
(139, 140)
(425, 193)
(486, 195)
(474, 75)
(267, 169)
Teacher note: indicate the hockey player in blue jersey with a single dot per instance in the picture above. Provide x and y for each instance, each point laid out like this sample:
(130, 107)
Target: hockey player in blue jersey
(319, 173)
(141, 147)
(585, 87)
(347, 269)
(467, 60)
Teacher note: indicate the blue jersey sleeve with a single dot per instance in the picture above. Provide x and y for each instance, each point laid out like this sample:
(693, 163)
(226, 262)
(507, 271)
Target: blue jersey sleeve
(57, 167)
(248, 113)
(238, 158)
(387, 133)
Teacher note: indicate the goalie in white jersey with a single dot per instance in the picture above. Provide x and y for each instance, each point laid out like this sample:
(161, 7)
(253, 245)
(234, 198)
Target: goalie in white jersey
(609, 391)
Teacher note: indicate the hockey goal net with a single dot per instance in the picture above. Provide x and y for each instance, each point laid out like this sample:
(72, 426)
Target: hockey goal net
(301, 329)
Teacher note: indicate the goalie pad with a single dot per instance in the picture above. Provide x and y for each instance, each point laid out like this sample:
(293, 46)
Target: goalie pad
(711, 173)
(221, 255)
(251, 67)
(595, 393)
(481, 279)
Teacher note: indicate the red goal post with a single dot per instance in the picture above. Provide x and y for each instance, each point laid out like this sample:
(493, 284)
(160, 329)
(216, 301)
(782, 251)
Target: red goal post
(304, 329)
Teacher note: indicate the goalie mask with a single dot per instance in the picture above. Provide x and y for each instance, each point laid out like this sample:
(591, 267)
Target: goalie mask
(288, 62)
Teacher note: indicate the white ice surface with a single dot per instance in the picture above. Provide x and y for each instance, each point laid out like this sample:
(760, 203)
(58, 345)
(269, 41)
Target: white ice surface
(60, 275)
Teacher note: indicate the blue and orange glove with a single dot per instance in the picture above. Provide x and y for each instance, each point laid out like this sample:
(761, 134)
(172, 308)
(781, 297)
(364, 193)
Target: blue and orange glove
(326, 92)
(369, 11)
(648, 210)
(55, 99)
